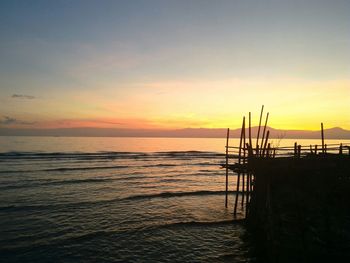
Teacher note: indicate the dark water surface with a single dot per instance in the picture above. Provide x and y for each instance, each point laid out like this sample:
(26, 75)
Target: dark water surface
(116, 200)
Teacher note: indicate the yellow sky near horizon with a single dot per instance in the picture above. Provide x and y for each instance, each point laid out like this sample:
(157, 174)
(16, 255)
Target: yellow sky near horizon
(300, 104)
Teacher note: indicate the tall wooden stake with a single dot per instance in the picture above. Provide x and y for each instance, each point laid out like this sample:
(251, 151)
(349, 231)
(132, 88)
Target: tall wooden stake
(257, 137)
(265, 144)
(226, 191)
(239, 173)
(322, 136)
(250, 130)
(263, 136)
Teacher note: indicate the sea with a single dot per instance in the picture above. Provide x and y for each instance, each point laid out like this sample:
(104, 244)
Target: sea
(81, 199)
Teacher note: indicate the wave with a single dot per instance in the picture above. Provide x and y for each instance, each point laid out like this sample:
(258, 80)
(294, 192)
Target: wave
(202, 223)
(129, 198)
(35, 183)
(82, 168)
(175, 194)
(63, 169)
(106, 155)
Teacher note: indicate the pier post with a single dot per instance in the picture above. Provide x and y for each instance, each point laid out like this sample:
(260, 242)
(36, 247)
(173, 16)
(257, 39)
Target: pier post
(322, 136)
(257, 137)
(226, 190)
(239, 173)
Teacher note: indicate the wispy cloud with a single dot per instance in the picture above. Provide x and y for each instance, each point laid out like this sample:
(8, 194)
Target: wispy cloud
(6, 120)
(22, 96)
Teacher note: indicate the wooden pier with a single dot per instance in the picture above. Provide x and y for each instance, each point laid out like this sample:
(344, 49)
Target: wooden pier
(295, 199)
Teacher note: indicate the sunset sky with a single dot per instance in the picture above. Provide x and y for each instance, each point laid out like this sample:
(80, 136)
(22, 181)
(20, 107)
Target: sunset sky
(174, 64)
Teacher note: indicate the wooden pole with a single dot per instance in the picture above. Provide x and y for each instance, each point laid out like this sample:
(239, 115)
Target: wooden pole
(295, 149)
(322, 136)
(311, 149)
(263, 135)
(265, 144)
(299, 151)
(341, 148)
(250, 129)
(226, 190)
(316, 149)
(257, 137)
(239, 173)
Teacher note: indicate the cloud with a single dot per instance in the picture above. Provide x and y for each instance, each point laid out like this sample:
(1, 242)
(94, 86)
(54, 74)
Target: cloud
(6, 120)
(21, 96)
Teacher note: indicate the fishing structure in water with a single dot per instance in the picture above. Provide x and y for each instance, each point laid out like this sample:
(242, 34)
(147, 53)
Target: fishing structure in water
(295, 198)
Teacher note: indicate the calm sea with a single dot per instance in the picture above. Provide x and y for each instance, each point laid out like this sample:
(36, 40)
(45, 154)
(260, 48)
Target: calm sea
(118, 200)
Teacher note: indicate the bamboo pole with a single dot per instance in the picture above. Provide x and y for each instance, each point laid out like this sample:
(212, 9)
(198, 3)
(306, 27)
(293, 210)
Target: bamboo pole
(268, 150)
(257, 137)
(263, 135)
(322, 136)
(243, 174)
(243, 189)
(265, 144)
(239, 173)
(226, 190)
(250, 129)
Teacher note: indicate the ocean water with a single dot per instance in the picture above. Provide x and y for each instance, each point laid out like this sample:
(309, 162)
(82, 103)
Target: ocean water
(118, 200)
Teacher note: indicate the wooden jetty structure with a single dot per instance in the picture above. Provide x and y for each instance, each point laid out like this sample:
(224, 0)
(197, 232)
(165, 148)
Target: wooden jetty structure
(296, 200)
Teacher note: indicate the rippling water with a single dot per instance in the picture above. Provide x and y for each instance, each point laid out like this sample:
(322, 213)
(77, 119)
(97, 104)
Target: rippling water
(103, 200)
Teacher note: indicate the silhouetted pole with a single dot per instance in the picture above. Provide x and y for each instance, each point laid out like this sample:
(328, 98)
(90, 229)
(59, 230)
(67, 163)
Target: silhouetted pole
(265, 144)
(239, 173)
(226, 192)
(250, 130)
(341, 148)
(263, 136)
(322, 135)
(257, 137)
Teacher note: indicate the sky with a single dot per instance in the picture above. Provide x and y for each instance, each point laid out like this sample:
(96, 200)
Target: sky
(174, 64)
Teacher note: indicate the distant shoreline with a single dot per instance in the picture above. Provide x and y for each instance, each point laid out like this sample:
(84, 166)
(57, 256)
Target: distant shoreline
(332, 133)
